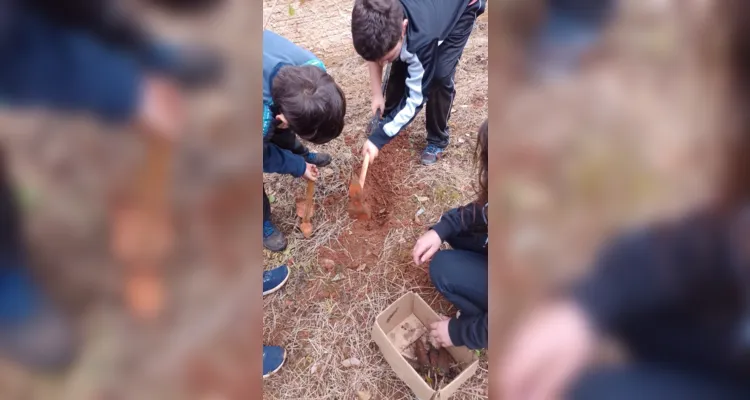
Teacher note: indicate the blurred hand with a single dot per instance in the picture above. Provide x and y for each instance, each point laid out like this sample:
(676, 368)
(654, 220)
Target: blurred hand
(370, 150)
(161, 110)
(378, 104)
(547, 353)
(439, 333)
(311, 172)
(426, 247)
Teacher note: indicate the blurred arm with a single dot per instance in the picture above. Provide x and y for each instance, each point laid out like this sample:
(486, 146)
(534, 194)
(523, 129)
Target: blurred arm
(46, 65)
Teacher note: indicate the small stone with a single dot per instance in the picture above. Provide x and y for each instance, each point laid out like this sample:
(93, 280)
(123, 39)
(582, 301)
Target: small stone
(328, 264)
(351, 362)
(364, 395)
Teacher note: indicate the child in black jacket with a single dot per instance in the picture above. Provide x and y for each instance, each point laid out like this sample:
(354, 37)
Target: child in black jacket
(460, 274)
(424, 41)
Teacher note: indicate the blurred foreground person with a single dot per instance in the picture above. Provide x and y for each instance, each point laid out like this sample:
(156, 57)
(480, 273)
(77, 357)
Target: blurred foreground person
(568, 31)
(76, 56)
(676, 294)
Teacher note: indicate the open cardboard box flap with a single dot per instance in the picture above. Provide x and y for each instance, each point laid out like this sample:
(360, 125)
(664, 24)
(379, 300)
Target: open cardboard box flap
(411, 304)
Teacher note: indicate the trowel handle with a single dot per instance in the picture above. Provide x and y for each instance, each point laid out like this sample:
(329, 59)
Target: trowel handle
(308, 206)
(363, 174)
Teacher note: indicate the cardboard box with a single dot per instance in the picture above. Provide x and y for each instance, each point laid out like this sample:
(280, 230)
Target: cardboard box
(408, 306)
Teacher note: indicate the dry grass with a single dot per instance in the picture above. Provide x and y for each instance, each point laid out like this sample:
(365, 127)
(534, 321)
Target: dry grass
(319, 332)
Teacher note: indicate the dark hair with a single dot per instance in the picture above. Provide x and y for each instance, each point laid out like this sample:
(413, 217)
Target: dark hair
(736, 177)
(189, 6)
(481, 159)
(311, 101)
(376, 27)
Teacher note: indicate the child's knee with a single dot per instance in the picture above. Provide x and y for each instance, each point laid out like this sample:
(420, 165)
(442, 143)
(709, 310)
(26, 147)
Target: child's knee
(440, 268)
(443, 79)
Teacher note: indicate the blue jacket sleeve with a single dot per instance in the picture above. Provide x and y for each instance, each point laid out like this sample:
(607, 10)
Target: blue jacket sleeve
(279, 161)
(53, 67)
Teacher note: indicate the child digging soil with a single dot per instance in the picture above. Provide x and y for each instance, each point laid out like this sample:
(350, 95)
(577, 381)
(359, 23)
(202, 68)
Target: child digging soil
(300, 100)
(460, 274)
(424, 42)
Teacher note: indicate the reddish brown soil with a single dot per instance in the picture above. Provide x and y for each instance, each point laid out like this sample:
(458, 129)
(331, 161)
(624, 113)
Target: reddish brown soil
(361, 246)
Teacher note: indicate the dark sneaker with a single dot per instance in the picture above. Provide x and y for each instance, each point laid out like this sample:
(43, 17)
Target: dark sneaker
(32, 332)
(273, 359)
(273, 239)
(274, 279)
(318, 159)
(431, 154)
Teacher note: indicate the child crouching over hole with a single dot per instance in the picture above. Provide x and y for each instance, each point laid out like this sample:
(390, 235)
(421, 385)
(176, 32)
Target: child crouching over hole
(460, 274)
(300, 100)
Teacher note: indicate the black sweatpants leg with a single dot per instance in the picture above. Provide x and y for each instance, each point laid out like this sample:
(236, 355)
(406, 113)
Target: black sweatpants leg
(396, 88)
(442, 89)
(461, 275)
(288, 140)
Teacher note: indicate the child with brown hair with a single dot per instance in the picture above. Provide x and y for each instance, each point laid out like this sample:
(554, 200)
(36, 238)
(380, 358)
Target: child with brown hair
(424, 42)
(460, 274)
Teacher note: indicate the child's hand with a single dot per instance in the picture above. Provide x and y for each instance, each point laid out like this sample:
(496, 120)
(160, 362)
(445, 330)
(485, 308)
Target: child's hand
(370, 150)
(439, 333)
(426, 247)
(161, 110)
(541, 365)
(378, 104)
(311, 172)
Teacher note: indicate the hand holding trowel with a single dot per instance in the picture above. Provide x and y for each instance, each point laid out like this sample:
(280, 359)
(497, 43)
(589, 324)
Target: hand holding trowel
(358, 208)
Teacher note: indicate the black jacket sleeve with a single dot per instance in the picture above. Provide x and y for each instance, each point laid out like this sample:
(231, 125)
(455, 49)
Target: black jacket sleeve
(469, 218)
(469, 331)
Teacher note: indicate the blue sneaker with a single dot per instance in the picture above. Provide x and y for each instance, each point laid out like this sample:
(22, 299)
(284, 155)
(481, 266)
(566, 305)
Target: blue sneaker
(32, 332)
(318, 159)
(274, 279)
(273, 239)
(273, 360)
(431, 154)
